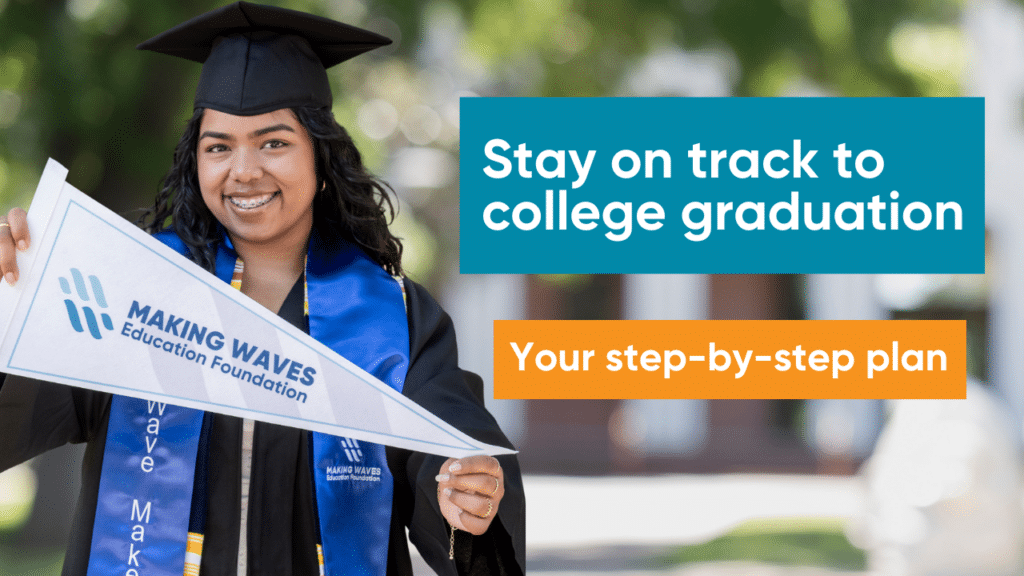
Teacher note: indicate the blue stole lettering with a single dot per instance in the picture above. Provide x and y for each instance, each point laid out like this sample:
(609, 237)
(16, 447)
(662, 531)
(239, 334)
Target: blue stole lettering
(145, 491)
(357, 310)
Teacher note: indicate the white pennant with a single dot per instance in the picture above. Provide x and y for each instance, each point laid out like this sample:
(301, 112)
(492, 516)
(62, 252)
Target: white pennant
(99, 304)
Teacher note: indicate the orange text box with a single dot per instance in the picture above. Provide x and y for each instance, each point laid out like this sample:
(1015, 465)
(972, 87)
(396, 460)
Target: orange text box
(718, 359)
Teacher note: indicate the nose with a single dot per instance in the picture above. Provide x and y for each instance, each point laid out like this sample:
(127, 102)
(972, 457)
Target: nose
(245, 165)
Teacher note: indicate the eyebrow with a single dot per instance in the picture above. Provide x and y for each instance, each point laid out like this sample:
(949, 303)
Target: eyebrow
(254, 134)
(270, 129)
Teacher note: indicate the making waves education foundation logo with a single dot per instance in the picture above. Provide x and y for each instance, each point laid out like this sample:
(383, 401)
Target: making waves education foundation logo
(85, 302)
(360, 467)
(352, 451)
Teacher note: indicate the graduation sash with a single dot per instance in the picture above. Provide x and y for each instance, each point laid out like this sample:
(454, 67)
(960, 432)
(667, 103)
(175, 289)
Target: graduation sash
(143, 518)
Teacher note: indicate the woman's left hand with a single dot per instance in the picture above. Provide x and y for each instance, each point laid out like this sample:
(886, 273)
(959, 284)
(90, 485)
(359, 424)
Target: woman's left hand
(469, 491)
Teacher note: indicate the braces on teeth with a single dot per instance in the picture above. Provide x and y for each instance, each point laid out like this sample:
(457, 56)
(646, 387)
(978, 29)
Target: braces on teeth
(251, 203)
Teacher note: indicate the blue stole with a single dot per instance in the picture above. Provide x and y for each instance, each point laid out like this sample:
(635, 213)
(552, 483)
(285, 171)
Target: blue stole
(142, 518)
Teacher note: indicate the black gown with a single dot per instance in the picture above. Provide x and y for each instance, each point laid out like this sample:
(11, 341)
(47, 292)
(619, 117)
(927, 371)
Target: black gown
(36, 416)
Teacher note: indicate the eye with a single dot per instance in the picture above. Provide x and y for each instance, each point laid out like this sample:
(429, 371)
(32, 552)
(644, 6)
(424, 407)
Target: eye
(275, 144)
(214, 148)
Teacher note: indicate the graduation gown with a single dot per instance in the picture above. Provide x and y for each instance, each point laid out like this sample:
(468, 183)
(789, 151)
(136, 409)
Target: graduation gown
(36, 416)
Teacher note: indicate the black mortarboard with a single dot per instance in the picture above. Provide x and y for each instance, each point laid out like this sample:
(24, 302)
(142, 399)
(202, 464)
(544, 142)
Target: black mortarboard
(258, 59)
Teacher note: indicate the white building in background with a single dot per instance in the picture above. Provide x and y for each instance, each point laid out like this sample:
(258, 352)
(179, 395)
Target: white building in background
(665, 428)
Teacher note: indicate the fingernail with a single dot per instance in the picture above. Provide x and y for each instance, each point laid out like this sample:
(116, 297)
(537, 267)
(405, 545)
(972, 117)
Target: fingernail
(442, 477)
(447, 492)
(455, 467)
(22, 245)
(10, 278)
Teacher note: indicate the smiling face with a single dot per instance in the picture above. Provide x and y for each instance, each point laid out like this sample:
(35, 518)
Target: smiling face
(257, 175)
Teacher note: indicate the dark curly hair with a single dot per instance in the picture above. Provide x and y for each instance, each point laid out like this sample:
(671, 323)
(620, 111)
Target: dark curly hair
(351, 205)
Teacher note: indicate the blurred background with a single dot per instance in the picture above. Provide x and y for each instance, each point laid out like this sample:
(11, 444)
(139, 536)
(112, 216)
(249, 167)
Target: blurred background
(783, 487)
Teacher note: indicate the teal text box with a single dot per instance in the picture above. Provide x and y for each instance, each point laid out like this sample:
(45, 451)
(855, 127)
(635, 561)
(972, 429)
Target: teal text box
(932, 169)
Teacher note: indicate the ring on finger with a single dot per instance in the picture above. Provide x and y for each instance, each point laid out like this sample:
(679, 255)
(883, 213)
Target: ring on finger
(490, 508)
(497, 485)
(2, 224)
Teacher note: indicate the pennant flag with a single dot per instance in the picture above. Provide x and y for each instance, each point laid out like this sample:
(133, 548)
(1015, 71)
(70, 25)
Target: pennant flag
(102, 305)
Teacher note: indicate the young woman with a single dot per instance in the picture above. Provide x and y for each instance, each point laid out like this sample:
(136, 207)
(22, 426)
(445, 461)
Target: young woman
(268, 191)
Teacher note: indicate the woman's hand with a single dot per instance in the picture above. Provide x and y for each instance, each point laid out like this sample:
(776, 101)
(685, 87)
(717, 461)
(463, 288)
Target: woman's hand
(469, 491)
(13, 237)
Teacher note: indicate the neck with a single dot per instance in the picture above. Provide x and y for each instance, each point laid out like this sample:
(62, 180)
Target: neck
(271, 269)
(276, 257)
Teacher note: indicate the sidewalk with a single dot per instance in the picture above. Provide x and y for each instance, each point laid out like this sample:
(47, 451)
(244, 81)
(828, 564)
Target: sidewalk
(581, 513)
(615, 526)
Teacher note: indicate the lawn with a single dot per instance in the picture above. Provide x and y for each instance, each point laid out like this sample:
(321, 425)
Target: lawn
(797, 542)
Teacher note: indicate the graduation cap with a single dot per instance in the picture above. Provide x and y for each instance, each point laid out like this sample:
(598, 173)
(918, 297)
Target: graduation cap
(258, 59)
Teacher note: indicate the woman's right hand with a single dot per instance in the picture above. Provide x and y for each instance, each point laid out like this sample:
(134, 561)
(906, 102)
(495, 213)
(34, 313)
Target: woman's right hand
(13, 238)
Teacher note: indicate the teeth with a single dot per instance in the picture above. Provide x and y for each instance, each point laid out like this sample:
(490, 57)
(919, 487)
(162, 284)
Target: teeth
(250, 203)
